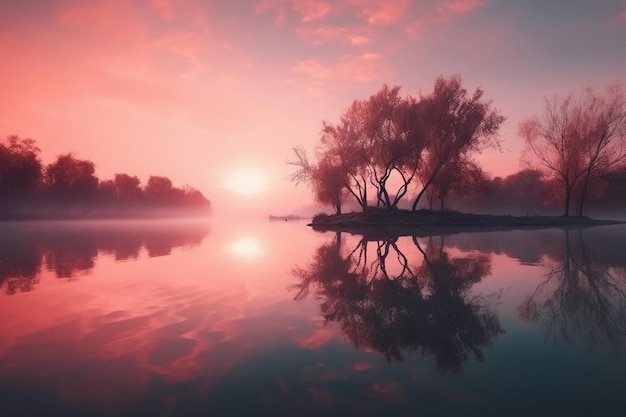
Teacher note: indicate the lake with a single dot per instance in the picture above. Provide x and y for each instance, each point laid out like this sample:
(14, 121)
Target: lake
(186, 318)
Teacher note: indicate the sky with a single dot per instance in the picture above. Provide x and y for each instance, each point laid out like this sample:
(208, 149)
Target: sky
(215, 94)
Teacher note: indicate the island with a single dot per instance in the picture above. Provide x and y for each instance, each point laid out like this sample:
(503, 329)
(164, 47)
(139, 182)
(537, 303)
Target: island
(376, 222)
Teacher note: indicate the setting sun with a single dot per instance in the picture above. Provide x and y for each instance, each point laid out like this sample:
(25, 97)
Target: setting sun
(246, 181)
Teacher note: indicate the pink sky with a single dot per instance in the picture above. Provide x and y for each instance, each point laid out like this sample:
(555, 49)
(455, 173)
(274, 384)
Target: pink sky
(207, 91)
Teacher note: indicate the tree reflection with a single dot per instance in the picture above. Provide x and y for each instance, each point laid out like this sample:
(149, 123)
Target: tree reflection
(582, 299)
(69, 250)
(397, 304)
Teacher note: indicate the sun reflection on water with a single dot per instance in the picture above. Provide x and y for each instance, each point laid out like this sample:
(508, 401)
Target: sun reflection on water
(246, 247)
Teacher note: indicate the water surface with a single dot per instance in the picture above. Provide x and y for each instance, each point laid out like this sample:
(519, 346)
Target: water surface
(258, 318)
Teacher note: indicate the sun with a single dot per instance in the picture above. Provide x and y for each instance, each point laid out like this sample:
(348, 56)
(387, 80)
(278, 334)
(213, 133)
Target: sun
(247, 181)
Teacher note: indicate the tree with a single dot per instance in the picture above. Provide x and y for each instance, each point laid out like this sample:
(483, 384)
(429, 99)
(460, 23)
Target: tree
(159, 190)
(455, 125)
(69, 179)
(388, 140)
(21, 171)
(461, 177)
(578, 139)
(127, 188)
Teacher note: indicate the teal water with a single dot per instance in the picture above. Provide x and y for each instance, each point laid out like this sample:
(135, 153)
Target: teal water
(258, 318)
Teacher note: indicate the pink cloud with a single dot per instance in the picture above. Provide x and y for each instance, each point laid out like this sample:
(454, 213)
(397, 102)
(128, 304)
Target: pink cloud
(165, 9)
(311, 10)
(324, 34)
(313, 69)
(116, 18)
(362, 69)
(453, 9)
(359, 69)
(381, 12)
(307, 10)
(182, 43)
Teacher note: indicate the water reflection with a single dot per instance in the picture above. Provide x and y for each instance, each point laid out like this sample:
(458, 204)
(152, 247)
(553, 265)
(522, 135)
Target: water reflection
(404, 301)
(69, 249)
(246, 248)
(582, 299)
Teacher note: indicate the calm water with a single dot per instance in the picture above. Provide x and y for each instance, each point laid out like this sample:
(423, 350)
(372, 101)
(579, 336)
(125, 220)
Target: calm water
(188, 318)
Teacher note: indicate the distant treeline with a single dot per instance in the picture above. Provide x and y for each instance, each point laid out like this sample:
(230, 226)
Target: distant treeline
(531, 191)
(69, 188)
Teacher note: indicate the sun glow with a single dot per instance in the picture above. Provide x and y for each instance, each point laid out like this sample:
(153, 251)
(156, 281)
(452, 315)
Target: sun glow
(246, 181)
(246, 247)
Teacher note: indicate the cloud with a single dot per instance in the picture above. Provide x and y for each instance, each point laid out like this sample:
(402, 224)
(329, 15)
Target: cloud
(311, 10)
(306, 10)
(165, 9)
(356, 69)
(362, 69)
(454, 9)
(324, 34)
(183, 43)
(108, 19)
(380, 13)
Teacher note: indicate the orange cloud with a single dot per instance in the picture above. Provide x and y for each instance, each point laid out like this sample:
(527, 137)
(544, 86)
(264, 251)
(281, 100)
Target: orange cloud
(381, 13)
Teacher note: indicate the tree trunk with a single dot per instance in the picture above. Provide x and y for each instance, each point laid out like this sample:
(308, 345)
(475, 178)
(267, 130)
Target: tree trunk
(421, 193)
(584, 192)
(568, 193)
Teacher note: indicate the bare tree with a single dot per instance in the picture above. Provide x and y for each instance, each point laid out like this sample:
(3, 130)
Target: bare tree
(328, 178)
(578, 139)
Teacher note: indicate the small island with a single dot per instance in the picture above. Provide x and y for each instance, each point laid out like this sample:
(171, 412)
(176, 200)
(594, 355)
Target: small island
(376, 222)
(396, 158)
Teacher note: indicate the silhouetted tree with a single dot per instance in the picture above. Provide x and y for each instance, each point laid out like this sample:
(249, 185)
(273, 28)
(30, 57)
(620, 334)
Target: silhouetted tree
(578, 139)
(158, 189)
(70, 180)
(327, 178)
(459, 177)
(21, 171)
(456, 126)
(386, 141)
